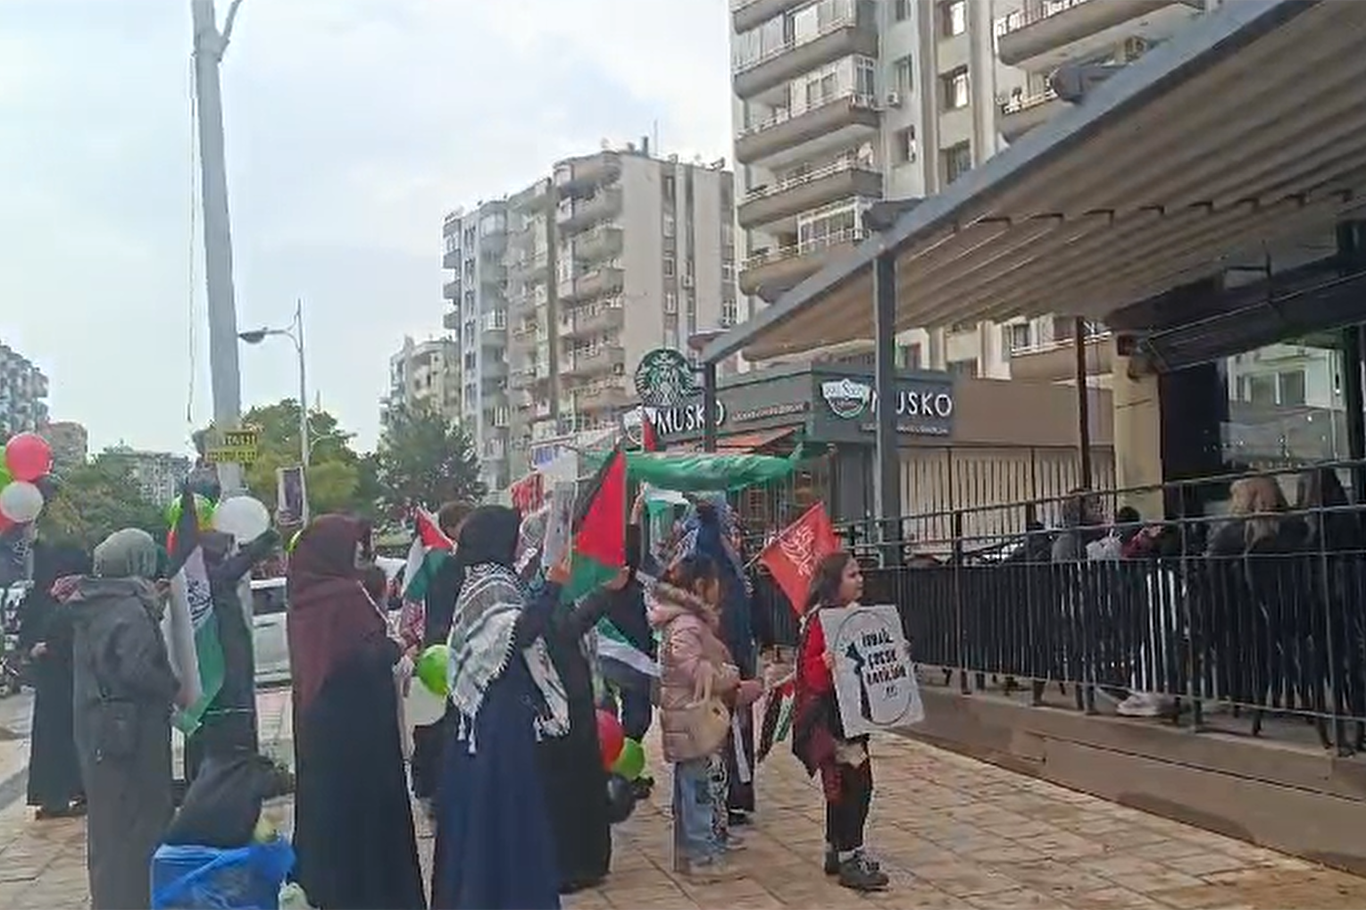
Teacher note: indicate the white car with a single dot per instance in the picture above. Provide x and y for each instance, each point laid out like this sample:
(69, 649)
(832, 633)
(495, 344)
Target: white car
(270, 631)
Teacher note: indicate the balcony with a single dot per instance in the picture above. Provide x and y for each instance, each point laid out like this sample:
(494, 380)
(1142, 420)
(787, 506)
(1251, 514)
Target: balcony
(748, 14)
(609, 396)
(605, 280)
(524, 268)
(493, 274)
(790, 197)
(578, 177)
(604, 358)
(593, 320)
(451, 259)
(602, 242)
(491, 370)
(575, 215)
(839, 122)
(494, 336)
(1056, 361)
(770, 274)
(1021, 113)
(847, 35)
(1043, 28)
(451, 320)
(451, 289)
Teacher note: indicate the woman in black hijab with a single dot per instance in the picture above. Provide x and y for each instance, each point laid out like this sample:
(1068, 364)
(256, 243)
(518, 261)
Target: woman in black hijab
(45, 636)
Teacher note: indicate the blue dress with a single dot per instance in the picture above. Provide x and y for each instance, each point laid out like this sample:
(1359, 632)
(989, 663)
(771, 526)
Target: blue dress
(494, 845)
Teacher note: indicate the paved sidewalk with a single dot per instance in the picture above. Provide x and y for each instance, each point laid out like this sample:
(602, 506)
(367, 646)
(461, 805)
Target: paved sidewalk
(951, 832)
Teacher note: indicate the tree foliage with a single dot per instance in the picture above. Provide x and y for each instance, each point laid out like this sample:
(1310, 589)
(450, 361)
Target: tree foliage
(94, 500)
(335, 471)
(425, 459)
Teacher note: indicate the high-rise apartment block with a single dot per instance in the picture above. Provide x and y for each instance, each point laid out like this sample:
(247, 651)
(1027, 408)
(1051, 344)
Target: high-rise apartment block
(70, 444)
(23, 390)
(839, 104)
(566, 284)
(158, 475)
(425, 374)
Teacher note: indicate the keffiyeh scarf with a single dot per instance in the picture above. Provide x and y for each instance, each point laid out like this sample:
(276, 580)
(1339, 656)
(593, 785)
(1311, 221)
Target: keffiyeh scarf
(481, 643)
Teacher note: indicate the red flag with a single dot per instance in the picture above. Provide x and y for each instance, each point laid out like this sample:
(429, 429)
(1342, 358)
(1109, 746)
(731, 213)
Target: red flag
(793, 555)
(649, 441)
(599, 526)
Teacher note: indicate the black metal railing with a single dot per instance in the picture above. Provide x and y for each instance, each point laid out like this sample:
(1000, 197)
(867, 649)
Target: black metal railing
(1246, 620)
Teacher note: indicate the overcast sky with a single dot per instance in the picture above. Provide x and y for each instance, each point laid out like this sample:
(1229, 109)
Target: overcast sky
(352, 127)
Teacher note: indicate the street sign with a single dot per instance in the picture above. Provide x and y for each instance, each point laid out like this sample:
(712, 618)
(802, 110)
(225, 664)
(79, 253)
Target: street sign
(238, 447)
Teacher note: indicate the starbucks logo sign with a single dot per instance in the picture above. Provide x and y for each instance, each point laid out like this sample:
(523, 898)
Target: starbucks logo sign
(664, 379)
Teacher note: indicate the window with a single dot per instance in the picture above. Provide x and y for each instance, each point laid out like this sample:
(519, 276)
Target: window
(1017, 337)
(671, 301)
(904, 73)
(963, 367)
(669, 187)
(906, 148)
(910, 356)
(955, 91)
(953, 18)
(1292, 388)
(729, 313)
(901, 10)
(1260, 390)
(669, 268)
(670, 225)
(865, 77)
(957, 161)
(727, 271)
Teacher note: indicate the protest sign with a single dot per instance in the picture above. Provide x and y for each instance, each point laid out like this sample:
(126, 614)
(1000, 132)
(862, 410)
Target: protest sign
(874, 677)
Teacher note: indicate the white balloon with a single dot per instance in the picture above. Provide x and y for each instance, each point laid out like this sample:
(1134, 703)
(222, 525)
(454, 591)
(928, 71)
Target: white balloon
(422, 707)
(21, 502)
(244, 517)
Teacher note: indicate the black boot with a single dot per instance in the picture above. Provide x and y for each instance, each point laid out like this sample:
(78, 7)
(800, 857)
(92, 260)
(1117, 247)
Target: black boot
(858, 874)
(832, 861)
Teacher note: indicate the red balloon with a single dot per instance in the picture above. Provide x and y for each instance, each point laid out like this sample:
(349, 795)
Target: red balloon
(611, 738)
(28, 457)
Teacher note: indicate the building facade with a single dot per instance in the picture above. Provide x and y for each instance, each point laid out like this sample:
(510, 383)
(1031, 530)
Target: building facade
(70, 443)
(840, 104)
(157, 474)
(611, 255)
(23, 393)
(425, 374)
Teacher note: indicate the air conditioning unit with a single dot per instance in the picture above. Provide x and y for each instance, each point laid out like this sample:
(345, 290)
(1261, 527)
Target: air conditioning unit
(894, 99)
(1134, 48)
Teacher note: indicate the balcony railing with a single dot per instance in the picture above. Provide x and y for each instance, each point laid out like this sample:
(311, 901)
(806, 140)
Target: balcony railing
(783, 115)
(805, 248)
(1016, 104)
(845, 20)
(1031, 14)
(846, 163)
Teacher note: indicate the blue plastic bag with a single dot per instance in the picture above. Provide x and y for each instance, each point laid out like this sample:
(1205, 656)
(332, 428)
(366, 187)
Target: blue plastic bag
(203, 878)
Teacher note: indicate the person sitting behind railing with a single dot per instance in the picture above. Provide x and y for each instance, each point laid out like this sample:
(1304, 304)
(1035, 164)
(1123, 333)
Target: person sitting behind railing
(1081, 524)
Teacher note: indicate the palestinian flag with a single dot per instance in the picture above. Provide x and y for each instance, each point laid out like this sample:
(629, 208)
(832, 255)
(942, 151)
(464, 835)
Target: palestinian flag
(617, 648)
(777, 721)
(431, 547)
(189, 625)
(598, 530)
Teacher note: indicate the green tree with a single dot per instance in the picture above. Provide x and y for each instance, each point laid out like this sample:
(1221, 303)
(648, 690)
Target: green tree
(334, 470)
(93, 501)
(424, 458)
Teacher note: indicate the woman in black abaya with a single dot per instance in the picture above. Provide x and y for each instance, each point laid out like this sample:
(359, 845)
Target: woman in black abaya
(45, 636)
(574, 779)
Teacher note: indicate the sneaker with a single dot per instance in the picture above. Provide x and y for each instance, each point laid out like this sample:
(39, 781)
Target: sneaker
(738, 817)
(710, 872)
(858, 874)
(734, 842)
(832, 862)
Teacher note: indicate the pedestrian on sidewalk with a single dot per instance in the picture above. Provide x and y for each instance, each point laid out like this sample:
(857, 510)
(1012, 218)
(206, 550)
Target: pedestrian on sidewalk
(698, 686)
(818, 737)
(353, 821)
(45, 635)
(124, 690)
(495, 847)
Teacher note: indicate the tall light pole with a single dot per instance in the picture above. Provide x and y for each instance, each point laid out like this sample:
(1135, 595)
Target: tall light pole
(209, 46)
(295, 333)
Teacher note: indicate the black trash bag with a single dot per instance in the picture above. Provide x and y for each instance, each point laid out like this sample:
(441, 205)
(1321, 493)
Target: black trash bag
(621, 799)
(224, 802)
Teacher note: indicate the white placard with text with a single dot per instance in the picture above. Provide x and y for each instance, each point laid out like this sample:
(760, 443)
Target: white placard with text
(874, 677)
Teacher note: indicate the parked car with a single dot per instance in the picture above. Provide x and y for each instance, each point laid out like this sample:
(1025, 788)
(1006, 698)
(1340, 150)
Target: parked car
(270, 631)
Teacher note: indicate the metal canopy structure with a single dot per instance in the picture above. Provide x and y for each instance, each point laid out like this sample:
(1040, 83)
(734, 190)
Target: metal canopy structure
(1245, 129)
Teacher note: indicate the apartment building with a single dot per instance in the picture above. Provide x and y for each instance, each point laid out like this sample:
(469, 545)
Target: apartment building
(70, 443)
(157, 474)
(425, 373)
(839, 104)
(23, 393)
(611, 255)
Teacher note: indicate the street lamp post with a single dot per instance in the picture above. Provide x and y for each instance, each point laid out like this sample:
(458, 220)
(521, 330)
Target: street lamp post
(295, 333)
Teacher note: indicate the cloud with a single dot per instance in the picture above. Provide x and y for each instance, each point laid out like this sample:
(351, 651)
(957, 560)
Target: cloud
(352, 127)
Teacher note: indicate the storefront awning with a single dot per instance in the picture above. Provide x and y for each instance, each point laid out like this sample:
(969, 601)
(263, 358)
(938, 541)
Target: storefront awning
(1244, 129)
(742, 443)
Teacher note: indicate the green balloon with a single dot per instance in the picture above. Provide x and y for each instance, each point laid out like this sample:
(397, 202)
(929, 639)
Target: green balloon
(630, 764)
(431, 669)
(203, 510)
(5, 477)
